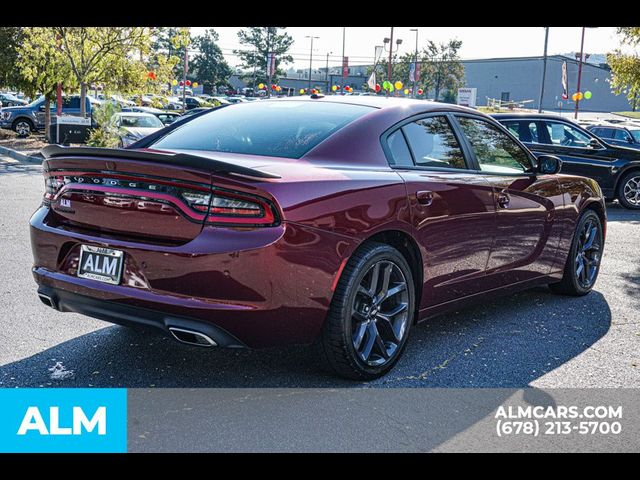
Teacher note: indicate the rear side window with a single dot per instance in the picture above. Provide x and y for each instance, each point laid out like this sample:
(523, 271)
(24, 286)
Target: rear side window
(495, 151)
(603, 132)
(434, 144)
(400, 154)
(524, 130)
(273, 128)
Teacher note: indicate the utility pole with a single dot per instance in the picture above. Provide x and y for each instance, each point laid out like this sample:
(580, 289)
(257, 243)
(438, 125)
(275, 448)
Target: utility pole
(255, 69)
(269, 72)
(326, 73)
(415, 65)
(390, 69)
(579, 74)
(184, 77)
(342, 76)
(310, 58)
(544, 67)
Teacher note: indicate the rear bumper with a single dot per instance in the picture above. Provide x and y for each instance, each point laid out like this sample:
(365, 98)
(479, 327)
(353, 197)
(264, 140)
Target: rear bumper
(122, 314)
(262, 287)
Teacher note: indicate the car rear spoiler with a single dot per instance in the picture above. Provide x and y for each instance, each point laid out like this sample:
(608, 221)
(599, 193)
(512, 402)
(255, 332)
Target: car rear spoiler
(184, 159)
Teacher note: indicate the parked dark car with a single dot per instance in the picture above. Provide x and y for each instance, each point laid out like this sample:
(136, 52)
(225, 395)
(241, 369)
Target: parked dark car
(621, 135)
(29, 118)
(335, 220)
(10, 100)
(615, 168)
(194, 102)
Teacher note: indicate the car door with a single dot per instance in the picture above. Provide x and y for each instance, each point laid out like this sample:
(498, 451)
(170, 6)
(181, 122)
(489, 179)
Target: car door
(579, 157)
(527, 204)
(452, 209)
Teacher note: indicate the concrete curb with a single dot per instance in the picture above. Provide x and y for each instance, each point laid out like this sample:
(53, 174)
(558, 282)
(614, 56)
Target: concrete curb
(19, 156)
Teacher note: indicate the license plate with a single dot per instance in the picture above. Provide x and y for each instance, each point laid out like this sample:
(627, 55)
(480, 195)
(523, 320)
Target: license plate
(101, 264)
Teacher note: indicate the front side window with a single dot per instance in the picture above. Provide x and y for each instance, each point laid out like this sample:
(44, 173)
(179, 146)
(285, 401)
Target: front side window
(433, 143)
(495, 151)
(567, 135)
(621, 135)
(636, 135)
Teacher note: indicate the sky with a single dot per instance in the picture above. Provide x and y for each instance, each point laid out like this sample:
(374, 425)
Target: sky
(477, 42)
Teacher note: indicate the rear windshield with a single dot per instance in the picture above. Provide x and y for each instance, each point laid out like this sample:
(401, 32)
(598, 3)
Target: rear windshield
(273, 128)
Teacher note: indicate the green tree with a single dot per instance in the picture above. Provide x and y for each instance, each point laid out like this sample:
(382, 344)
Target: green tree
(441, 68)
(208, 65)
(625, 67)
(171, 42)
(104, 55)
(42, 65)
(10, 39)
(261, 41)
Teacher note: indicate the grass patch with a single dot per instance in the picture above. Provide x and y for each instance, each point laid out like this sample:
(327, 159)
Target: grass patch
(628, 114)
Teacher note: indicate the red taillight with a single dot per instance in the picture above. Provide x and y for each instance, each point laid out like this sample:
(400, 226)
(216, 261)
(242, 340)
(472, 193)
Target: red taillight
(231, 208)
(234, 208)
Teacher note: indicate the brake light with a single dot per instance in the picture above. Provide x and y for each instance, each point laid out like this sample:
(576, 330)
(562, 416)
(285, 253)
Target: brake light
(52, 185)
(231, 208)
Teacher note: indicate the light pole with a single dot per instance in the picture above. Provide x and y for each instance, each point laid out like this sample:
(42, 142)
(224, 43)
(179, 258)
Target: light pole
(326, 73)
(269, 72)
(544, 67)
(390, 66)
(580, 72)
(415, 65)
(310, 57)
(342, 76)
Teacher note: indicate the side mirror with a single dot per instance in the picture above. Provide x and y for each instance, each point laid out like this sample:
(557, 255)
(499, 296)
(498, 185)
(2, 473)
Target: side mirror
(630, 139)
(593, 143)
(41, 108)
(549, 164)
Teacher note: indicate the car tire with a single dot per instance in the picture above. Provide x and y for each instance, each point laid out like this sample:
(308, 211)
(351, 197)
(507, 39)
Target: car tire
(583, 262)
(23, 127)
(366, 329)
(629, 190)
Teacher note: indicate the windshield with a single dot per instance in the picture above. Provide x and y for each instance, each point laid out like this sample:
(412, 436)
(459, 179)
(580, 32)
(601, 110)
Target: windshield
(149, 121)
(277, 128)
(636, 135)
(38, 101)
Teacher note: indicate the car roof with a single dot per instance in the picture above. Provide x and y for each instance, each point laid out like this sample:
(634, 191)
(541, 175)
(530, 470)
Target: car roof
(617, 126)
(381, 102)
(541, 116)
(135, 114)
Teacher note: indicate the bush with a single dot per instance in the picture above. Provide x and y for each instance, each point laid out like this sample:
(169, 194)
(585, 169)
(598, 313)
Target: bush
(104, 135)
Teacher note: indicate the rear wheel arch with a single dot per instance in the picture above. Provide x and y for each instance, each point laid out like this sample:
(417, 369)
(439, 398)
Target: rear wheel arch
(599, 210)
(408, 247)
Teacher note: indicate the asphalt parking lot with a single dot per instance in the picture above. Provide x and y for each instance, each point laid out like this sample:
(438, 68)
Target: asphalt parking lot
(530, 339)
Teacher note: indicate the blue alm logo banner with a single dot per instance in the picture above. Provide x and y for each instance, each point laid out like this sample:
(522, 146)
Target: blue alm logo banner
(52, 420)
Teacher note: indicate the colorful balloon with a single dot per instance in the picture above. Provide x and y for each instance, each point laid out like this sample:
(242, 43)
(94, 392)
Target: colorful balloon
(398, 85)
(188, 83)
(574, 97)
(274, 87)
(587, 94)
(386, 84)
(174, 82)
(302, 91)
(151, 75)
(195, 84)
(181, 83)
(334, 88)
(261, 86)
(580, 95)
(406, 91)
(378, 87)
(420, 91)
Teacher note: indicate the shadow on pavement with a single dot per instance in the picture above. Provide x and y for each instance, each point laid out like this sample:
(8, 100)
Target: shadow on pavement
(506, 343)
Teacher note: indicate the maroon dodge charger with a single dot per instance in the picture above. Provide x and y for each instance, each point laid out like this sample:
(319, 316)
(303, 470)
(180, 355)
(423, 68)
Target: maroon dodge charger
(338, 222)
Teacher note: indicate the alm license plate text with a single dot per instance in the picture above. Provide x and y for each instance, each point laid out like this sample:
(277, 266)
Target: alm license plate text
(101, 264)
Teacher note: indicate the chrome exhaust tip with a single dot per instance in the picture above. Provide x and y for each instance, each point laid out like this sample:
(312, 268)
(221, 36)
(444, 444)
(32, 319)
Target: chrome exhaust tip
(47, 300)
(191, 337)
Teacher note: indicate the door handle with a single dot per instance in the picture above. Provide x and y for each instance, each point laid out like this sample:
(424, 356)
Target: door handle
(503, 199)
(425, 197)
